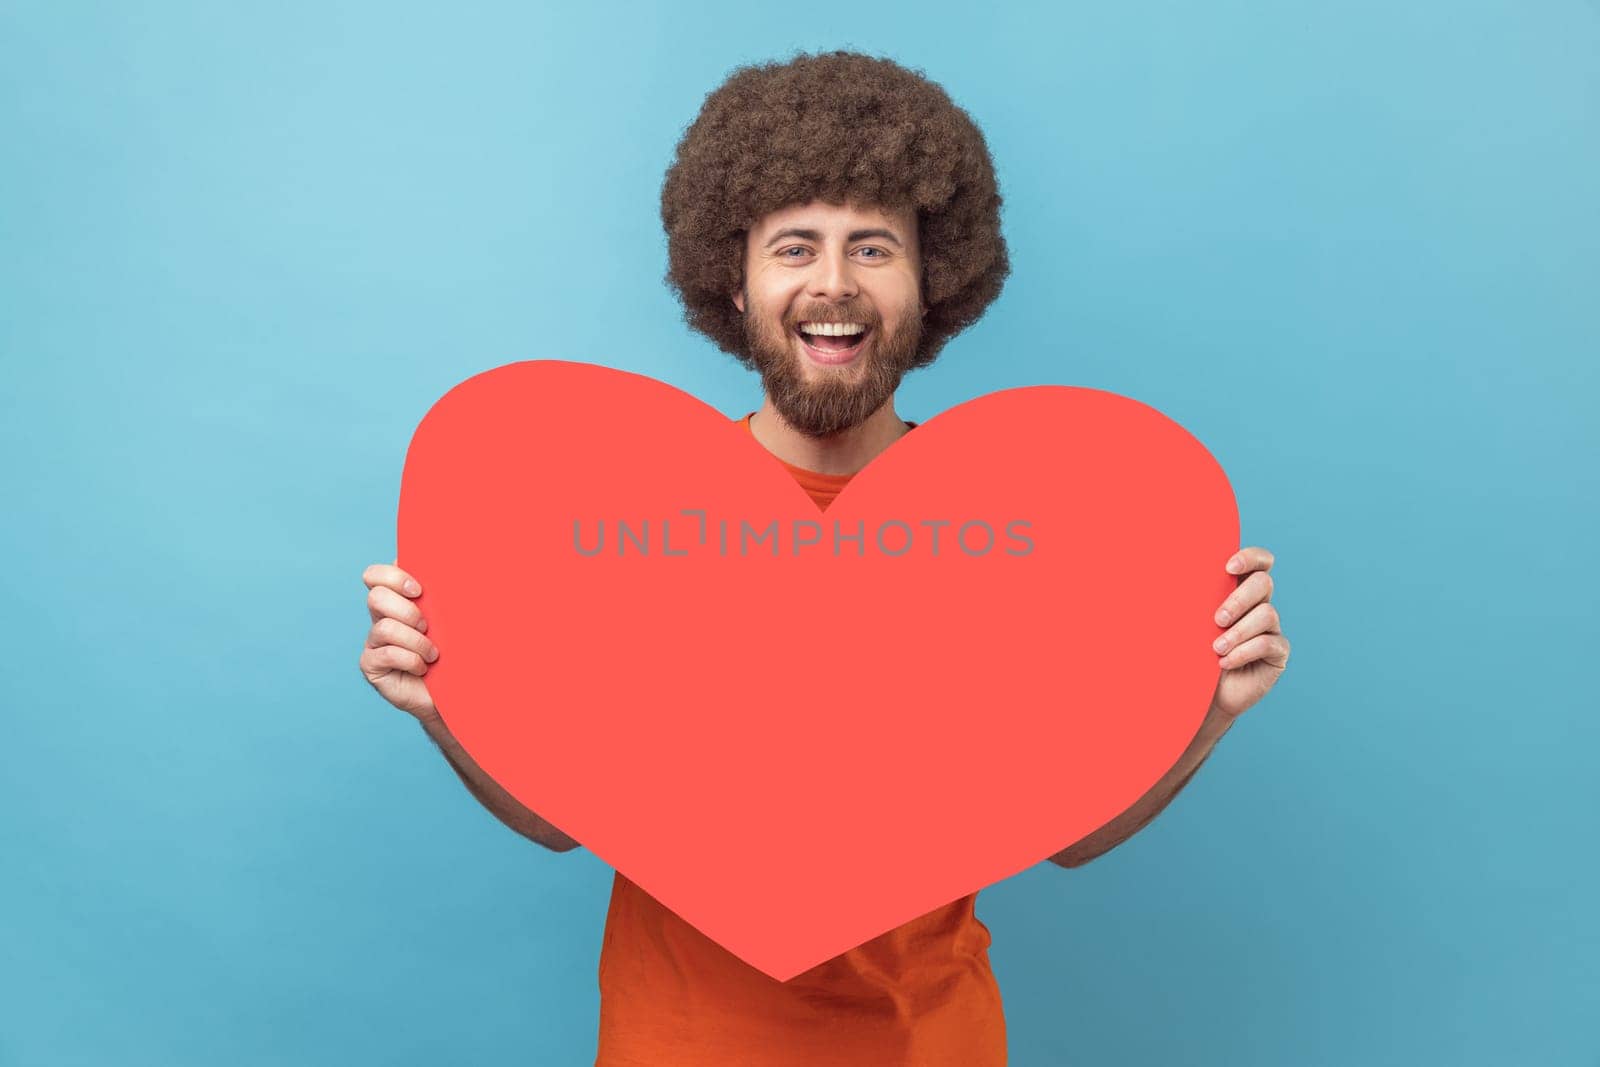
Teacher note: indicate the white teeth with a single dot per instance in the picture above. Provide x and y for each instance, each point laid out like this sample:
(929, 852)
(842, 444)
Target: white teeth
(832, 329)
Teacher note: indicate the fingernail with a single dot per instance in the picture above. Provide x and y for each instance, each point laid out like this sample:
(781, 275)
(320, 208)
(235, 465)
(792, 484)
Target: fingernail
(1234, 565)
(422, 625)
(412, 587)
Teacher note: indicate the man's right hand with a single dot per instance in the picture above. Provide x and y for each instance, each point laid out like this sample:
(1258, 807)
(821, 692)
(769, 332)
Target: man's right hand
(394, 660)
(397, 652)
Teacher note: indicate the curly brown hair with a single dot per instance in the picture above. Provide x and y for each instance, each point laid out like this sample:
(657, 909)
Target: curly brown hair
(844, 128)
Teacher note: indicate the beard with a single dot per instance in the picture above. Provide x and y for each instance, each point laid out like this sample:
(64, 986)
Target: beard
(836, 398)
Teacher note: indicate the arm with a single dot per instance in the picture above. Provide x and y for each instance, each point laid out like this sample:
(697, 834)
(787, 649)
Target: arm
(1256, 654)
(501, 804)
(395, 659)
(1151, 804)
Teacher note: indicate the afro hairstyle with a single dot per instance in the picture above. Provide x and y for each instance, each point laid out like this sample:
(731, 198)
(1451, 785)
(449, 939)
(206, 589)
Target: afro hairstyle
(843, 128)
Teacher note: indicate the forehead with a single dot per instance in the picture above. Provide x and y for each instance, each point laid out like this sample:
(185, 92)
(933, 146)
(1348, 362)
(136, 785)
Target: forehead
(820, 215)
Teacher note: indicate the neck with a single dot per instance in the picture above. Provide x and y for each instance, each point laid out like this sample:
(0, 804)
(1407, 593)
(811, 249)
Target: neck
(845, 452)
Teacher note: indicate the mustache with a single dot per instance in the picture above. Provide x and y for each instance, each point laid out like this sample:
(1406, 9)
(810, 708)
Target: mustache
(834, 317)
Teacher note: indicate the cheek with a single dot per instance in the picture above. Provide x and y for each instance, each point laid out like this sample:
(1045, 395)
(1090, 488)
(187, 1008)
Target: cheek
(894, 296)
(776, 307)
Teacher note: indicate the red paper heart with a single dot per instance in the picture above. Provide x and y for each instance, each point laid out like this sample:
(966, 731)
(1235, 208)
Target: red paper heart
(796, 753)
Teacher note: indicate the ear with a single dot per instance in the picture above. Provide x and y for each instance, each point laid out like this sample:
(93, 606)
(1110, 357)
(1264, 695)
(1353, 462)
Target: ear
(738, 301)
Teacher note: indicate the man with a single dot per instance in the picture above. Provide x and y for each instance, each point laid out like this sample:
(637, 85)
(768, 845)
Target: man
(831, 223)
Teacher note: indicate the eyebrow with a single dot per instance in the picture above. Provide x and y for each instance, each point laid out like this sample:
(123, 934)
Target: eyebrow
(813, 235)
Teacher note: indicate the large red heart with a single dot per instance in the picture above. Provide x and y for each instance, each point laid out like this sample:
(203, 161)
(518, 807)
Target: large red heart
(797, 752)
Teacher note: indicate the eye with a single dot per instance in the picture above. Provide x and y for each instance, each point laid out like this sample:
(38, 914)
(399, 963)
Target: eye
(878, 253)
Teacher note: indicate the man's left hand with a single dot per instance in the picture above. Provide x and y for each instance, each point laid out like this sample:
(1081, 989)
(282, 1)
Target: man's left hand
(1255, 652)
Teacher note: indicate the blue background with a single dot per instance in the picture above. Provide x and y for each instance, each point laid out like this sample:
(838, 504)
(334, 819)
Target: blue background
(1353, 248)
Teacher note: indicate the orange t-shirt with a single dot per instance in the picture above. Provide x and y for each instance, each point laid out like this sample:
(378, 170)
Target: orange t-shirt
(921, 994)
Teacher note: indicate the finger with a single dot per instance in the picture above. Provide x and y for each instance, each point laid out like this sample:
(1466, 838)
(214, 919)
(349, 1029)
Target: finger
(1252, 558)
(1272, 648)
(1256, 588)
(383, 602)
(392, 658)
(388, 574)
(1261, 619)
(394, 632)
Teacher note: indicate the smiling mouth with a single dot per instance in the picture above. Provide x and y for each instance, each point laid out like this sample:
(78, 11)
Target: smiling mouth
(833, 349)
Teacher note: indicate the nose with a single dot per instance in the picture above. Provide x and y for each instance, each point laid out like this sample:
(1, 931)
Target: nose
(832, 277)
